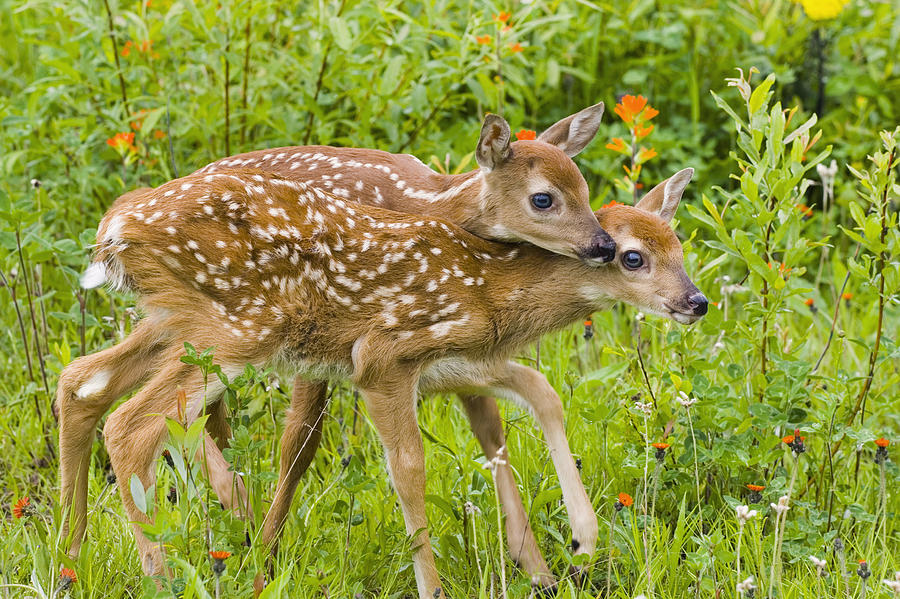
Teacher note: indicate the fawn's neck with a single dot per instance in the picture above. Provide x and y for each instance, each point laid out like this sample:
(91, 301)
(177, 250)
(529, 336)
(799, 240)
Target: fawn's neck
(542, 293)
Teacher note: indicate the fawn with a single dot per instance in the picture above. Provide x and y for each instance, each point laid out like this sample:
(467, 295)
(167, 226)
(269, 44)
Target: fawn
(266, 270)
(523, 191)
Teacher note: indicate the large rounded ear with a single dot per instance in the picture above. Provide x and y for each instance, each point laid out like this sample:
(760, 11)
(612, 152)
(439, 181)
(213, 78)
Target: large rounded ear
(574, 132)
(663, 199)
(493, 145)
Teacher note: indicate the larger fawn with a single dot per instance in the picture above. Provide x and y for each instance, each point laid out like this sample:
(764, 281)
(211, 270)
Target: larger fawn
(522, 191)
(266, 270)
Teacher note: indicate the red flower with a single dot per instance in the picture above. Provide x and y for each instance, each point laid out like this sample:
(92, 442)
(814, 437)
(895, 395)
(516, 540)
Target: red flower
(517, 47)
(809, 302)
(625, 499)
(882, 442)
(526, 134)
(22, 508)
(618, 145)
(756, 488)
(503, 17)
(67, 578)
(484, 39)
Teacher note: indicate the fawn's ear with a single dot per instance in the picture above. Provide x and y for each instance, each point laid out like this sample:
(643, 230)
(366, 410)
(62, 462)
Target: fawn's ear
(576, 131)
(493, 145)
(663, 199)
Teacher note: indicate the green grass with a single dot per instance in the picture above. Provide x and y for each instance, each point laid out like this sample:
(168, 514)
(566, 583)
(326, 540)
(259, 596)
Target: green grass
(412, 77)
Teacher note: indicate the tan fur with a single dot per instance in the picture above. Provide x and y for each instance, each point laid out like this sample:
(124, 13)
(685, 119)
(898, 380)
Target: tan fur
(367, 339)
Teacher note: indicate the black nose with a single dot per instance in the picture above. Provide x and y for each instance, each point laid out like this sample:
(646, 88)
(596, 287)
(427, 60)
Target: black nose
(698, 303)
(602, 246)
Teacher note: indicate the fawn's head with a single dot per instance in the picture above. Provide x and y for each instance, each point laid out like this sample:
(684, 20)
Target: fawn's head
(533, 191)
(648, 270)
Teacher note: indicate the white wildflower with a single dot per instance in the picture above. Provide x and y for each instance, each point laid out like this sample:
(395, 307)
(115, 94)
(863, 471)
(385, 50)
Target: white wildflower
(894, 585)
(686, 401)
(646, 408)
(746, 586)
(782, 505)
(470, 508)
(819, 564)
(744, 513)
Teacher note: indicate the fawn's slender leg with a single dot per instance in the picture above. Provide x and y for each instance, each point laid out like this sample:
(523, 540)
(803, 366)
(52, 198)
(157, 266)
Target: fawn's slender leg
(484, 418)
(299, 442)
(391, 402)
(135, 432)
(86, 389)
(530, 386)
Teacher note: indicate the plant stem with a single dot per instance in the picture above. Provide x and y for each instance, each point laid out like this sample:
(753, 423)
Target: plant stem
(696, 468)
(246, 74)
(115, 45)
(612, 526)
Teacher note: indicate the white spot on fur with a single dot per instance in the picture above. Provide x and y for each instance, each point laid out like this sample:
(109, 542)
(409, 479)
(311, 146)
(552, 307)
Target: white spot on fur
(93, 385)
(94, 276)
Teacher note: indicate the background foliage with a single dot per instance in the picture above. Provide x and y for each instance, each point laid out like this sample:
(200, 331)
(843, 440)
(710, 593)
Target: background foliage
(97, 98)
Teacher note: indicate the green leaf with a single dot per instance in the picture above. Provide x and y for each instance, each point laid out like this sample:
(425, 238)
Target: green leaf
(137, 493)
(761, 95)
(341, 33)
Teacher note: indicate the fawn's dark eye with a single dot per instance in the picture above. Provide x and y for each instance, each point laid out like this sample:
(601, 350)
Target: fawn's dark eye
(541, 201)
(632, 260)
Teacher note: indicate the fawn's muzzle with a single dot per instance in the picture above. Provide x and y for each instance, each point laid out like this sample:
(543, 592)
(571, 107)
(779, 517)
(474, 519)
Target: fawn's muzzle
(698, 303)
(602, 247)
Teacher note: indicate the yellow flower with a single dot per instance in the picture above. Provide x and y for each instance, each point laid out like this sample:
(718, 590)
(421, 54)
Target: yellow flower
(820, 10)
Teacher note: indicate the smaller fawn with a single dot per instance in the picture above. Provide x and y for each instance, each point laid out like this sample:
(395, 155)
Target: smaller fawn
(268, 271)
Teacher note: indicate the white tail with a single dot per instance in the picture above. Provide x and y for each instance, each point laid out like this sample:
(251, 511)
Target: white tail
(264, 269)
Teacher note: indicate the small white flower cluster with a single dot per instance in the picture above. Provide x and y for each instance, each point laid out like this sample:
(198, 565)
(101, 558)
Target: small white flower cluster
(782, 505)
(819, 564)
(894, 585)
(746, 586)
(744, 513)
(685, 400)
(646, 408)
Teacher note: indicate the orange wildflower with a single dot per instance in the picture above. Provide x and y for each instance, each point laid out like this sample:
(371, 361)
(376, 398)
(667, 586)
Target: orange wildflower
(630, 107)
(756, 488)
(220, 555)
(649, 113)
(610, 204)
(644, 155)
(22, 508)
(122, 142)
(126, 50)
(847, 296)
(67, 578)
(809, 302)
(625, 499)
(661, 445)
(517, 47)
(882, 442)
(618, 145)
(159, 134)
(503, 17)
(525, 134)
(484, 39)
(641, 132)
(788, 439)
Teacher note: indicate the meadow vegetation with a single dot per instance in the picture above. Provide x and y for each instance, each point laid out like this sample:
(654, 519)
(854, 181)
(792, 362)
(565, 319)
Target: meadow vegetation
(752, 444)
